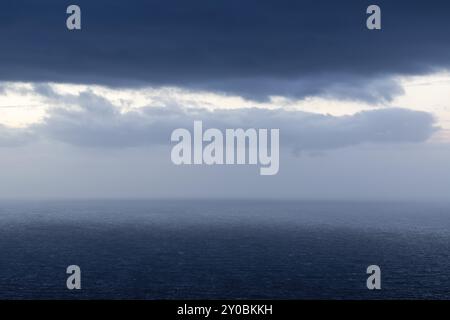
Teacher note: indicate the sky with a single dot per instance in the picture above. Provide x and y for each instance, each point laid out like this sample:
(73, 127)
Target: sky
(363, 114)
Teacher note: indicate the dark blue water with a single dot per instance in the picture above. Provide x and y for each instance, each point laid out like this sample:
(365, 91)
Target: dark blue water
(224, 249)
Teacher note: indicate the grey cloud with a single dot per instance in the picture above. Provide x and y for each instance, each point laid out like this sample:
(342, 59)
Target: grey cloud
(12, 137)
(98, 123)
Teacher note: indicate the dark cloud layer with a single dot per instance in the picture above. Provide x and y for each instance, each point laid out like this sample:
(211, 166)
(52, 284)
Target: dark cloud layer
(254, 48)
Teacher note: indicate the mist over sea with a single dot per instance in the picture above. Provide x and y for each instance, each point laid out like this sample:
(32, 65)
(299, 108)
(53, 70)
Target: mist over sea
(223, 249)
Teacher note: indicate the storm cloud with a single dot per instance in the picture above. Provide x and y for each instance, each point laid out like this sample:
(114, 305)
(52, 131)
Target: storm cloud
(254, 48)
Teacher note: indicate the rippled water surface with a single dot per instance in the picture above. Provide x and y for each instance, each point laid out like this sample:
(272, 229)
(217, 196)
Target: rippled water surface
(223, 249)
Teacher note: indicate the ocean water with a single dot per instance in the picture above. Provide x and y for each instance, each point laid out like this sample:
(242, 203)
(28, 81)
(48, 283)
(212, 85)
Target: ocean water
(224, 249)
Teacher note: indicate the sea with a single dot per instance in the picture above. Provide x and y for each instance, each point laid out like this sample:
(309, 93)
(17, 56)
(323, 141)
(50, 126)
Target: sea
(224, 249)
